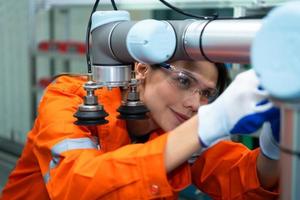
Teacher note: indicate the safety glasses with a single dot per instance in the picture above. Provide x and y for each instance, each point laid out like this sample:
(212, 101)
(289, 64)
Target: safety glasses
(186, 84)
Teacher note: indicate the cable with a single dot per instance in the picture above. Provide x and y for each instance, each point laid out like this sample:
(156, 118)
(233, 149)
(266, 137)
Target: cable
(289, 151)
(88, 30)
(212, 17)
(187, 14)
(87, 41)
(113, 4)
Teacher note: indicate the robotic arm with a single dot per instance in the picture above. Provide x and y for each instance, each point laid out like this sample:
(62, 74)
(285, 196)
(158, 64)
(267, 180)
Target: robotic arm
(118, 42)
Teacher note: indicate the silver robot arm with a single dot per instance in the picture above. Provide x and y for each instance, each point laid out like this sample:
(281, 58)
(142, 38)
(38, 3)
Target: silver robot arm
(118, 42)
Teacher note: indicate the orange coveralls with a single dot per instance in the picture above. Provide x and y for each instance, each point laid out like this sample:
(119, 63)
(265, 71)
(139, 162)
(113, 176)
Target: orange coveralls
(64, 161)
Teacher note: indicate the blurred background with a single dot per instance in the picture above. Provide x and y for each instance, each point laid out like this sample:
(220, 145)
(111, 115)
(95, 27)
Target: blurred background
(41, 38)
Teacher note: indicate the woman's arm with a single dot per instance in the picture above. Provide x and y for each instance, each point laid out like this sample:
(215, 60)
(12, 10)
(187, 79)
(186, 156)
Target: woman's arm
(268, 160)
(182, 143)
(267, 171)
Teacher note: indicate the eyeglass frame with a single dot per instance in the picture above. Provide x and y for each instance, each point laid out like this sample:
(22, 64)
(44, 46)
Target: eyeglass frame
(172, 68)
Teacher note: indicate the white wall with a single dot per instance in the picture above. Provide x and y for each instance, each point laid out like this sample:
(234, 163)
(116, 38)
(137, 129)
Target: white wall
(14, 70)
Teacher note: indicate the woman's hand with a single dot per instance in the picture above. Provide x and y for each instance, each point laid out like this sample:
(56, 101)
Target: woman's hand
(242, 109)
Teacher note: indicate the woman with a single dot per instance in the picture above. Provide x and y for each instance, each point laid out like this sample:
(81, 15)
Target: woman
(65, 161)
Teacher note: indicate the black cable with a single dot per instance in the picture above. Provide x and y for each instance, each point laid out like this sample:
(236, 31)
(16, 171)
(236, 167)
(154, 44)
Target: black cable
(88, 32)
(113, 4)
(211, 17)
(187, 14)
(87, 41)
(242, 17)
(289, 151)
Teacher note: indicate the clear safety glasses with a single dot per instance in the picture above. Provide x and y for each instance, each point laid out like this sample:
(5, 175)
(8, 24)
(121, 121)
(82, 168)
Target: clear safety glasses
(187, 85)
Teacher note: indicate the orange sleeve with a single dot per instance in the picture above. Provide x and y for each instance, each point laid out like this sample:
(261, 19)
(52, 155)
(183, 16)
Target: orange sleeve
(73, 167)
(228, 171)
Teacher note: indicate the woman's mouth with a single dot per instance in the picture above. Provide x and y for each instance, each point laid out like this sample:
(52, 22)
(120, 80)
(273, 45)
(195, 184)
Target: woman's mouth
(180, 117)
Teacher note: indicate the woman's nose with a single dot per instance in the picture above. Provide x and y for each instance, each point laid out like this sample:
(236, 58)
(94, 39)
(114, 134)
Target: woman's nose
(192, 101)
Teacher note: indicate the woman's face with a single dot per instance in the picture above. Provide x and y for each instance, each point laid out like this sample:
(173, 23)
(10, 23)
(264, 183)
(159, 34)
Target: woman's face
(173, 96)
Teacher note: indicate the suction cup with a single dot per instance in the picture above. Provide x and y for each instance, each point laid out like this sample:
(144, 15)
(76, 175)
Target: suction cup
(133, 111)
(90, 115)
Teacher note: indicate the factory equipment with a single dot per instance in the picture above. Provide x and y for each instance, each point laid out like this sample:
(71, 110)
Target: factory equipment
(274, 42)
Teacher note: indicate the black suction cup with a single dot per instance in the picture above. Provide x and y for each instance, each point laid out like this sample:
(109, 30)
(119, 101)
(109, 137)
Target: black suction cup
(129, 112)
(90, 118)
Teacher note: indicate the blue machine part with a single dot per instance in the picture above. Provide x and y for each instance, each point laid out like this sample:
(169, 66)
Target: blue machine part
(151, 41)
(275, 52)
(100, 18)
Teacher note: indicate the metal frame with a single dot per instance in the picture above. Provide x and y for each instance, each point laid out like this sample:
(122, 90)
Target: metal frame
(155, 4)
(290, 142)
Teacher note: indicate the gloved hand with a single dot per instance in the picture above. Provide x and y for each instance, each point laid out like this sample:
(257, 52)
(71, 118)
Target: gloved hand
(269, 137)
(241, 109)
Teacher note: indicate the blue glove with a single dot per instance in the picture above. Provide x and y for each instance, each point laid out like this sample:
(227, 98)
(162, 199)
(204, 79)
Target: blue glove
(269, 137)
(242, 109)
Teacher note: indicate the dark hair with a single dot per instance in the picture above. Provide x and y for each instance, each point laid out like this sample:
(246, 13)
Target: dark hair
(223, 77)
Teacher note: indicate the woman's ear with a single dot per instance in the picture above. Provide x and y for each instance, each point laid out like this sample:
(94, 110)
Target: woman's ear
(141, 70)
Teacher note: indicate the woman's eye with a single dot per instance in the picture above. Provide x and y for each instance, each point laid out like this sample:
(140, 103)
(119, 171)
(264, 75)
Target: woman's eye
(183, 81)
(209, 93)
(206, 93)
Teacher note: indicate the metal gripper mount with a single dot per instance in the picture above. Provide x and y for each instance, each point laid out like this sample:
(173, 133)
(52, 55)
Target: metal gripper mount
(132, 108)
(90, 112)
